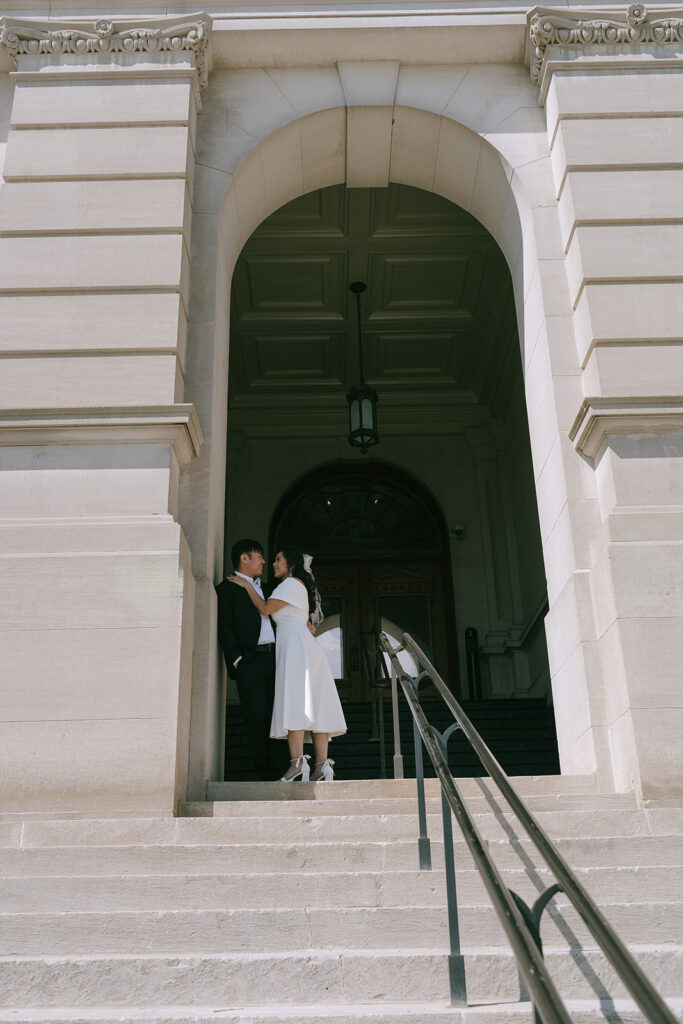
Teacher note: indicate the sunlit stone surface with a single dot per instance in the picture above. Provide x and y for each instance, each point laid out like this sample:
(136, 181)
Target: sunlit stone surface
(139, 156)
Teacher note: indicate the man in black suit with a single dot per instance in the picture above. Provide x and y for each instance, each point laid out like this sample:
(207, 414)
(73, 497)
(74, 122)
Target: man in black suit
(247, 639)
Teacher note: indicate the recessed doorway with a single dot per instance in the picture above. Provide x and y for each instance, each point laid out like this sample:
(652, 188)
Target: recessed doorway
(441, 349)
(381, 563)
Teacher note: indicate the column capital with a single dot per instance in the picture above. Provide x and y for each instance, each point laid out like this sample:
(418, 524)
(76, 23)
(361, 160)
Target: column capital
(565, 35)
(108, 36)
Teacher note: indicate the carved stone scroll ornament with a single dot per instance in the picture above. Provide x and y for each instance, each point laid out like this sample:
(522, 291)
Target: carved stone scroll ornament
(107, 36)
(548, 28)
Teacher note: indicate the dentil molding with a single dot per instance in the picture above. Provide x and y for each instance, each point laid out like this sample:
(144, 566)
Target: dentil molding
(635, 27)
(108, 36)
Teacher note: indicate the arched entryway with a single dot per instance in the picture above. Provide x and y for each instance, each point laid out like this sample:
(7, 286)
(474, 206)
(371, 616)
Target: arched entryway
(454, 162)
(382, 563)
(436, 531)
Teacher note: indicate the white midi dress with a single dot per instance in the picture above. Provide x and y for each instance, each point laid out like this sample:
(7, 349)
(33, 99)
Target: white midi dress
(305, 692)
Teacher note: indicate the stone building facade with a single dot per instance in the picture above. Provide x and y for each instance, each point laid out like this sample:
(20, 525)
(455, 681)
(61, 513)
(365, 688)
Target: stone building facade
(142, 153)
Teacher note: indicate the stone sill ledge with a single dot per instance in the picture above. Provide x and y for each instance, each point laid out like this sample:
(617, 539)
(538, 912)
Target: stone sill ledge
(177, 425)
(599, 417)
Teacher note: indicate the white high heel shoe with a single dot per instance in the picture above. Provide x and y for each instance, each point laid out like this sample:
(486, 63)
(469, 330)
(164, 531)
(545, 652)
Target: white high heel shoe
(326, 771)
(302, 769)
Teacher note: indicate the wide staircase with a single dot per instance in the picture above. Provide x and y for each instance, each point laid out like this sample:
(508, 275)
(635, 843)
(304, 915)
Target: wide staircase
(272, 904)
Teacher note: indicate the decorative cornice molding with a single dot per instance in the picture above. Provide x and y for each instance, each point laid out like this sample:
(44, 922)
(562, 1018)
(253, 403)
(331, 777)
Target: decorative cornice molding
(109, 36)
(598, 417)
(176, 425)
(634, 27)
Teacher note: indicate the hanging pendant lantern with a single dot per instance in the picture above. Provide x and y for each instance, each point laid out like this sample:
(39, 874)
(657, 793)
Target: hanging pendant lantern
(362, 400)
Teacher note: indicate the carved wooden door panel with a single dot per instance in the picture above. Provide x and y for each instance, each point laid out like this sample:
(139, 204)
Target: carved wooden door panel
(348, 613)
(362, 599)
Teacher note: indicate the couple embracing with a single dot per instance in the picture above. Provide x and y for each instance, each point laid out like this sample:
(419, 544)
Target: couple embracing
(285, 685)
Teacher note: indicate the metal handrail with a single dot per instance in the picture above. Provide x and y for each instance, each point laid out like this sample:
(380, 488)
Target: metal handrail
(519, 922)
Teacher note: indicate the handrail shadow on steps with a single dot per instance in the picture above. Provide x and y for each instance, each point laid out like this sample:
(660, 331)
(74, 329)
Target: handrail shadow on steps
(520, 922)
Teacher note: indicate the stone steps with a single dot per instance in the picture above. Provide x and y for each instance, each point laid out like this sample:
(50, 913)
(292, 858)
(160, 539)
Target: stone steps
(111, 893)
(291, 858)
(306, 904)
(521, 734)
(316, 977)
(588, 1011)
(402, 805)
(269, 930)
(526, 785)
(248, 794)
(312, 827)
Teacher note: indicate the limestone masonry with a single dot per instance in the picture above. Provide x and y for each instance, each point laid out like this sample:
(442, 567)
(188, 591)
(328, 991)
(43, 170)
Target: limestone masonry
(141, 146)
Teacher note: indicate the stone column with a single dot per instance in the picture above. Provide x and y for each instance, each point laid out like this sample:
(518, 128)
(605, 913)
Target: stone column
(613, 95)
(96, 605)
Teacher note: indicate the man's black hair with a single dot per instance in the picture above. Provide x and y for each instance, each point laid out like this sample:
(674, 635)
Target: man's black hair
(244, 547)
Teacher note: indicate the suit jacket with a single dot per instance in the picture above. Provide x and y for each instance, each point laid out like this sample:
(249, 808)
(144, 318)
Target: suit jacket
(239, 623)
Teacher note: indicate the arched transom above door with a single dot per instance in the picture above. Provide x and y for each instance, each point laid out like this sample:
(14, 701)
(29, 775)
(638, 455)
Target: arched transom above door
(350, 511)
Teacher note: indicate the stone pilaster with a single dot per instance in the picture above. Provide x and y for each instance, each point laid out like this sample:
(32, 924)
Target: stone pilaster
(613, 93)
(95, 214)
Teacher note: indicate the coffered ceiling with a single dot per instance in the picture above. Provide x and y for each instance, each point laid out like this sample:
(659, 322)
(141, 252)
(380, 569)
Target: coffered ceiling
(438, 315)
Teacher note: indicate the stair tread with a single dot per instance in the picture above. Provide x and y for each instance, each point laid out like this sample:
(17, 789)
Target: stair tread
(333, 1012)
(329, 953)
(321, 975)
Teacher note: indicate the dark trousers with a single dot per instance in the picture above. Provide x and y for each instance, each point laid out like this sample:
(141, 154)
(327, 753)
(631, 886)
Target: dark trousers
(256, 687)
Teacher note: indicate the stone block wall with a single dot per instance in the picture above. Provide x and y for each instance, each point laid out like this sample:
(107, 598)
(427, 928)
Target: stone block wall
(615, 134)
(584, 196)
(96, 617)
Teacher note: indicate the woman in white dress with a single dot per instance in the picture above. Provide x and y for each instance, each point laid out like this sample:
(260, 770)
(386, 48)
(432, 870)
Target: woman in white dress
(306, 698)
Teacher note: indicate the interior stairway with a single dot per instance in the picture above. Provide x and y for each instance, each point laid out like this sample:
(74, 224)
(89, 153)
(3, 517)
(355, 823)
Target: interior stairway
(303, 904)
(521, 734)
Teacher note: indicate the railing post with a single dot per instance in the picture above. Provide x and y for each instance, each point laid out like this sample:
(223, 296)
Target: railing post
(473, 665)
(382, 743)
(398, 756)
(373, 729)
(423, 843)
(456, 961)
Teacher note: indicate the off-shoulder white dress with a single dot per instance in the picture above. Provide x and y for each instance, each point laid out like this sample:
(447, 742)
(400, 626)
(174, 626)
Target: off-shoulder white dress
(305, 692)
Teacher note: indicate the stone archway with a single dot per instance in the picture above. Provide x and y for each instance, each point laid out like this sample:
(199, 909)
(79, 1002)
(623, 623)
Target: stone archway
(456, 162)
(597, 302)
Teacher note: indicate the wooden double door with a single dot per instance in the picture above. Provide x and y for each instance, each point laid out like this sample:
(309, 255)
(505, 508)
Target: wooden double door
(363, 598)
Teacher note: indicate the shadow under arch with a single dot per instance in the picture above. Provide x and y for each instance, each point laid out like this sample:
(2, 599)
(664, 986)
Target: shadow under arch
(310, 153)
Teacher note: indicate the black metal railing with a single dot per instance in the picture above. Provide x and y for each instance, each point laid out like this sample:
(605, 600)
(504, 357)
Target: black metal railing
(520, 922)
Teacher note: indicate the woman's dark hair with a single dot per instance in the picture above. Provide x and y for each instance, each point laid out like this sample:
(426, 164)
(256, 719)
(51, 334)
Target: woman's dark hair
(294, 557)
